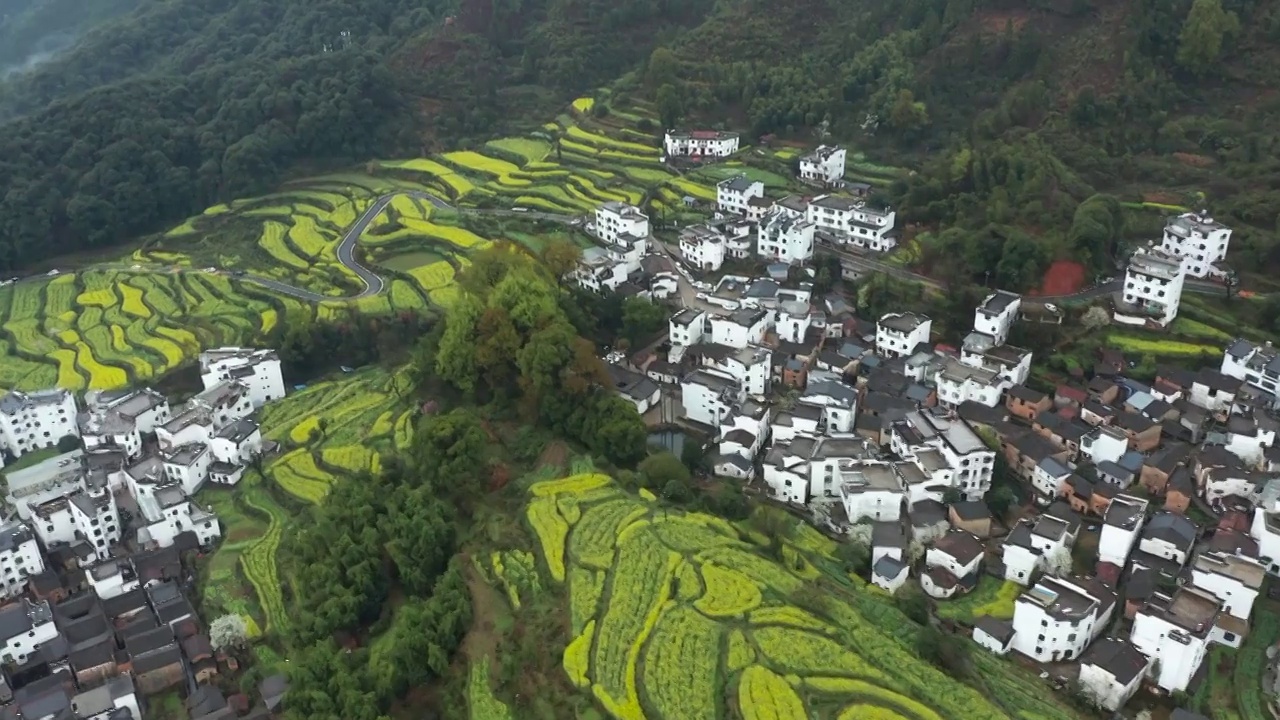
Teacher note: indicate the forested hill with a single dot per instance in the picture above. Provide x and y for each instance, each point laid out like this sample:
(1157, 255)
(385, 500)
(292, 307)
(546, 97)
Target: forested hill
(1013, 112)
(31, 31)
(184, 103)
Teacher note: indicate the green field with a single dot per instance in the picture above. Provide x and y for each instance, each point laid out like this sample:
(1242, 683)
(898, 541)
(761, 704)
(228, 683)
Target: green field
(676, 615)
(331, 429)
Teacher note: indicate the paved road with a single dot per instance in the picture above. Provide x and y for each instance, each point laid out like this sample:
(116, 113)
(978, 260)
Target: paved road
(373, 283)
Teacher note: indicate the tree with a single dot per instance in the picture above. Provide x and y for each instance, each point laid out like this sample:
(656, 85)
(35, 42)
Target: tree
(561, 257)
(694, 456)
(663, 68)
(641, 319)
(856, 557)
(1095, 317)
(947, 651)
(1203, 33)
(228, 632)
(661, 468)
(907, 115)
(670, 105)
(1001, 499)
(449, 450)
(913, 603)
(951, 496)
(67, 443)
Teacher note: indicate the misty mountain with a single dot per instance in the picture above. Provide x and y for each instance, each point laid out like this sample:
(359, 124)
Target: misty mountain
(33, 31)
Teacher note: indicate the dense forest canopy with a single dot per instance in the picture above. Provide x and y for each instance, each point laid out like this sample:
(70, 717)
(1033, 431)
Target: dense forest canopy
(1013, 112)
(32, 31)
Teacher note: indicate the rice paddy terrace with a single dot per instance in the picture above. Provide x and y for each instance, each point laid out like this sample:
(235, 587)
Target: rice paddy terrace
(241, 272)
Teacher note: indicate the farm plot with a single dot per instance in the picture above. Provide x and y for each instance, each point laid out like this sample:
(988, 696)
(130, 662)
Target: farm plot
(670, 609)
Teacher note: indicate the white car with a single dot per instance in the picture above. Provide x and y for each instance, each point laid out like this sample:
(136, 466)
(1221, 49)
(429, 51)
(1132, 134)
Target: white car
(53, 272)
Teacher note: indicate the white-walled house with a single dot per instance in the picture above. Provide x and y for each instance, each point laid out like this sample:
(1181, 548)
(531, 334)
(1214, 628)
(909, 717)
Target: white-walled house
(1121, 526)
(733, 194)
(109, 430)
(1152, 289)
(1030, 545)
(959, 383)
(898, 334)
(699, 143)
(852, 222)
(258, 371)
(1173, 632)
(20, 557)
(119, 419)
(1257, 365)
(1234, 579)
(616, 219)
(225, 402)
(1169, 535)
(740, 328)
(687, 327)
(839, 403)
(709, 396)
(1055, 620)
(1111, 671)
(751, 366)
(824, 165)
(993, 635)
(889, 574)
(188, 465)
(1199, 240)
(871, 490)
(947, 450)
(952, 564)
(192, 425)
(32, 421)
(1248, 439)
(783, 238)
(995, 316)
(1105, 444)
(1010, 363)
(24, 626)
(238, 443)
(702, 247)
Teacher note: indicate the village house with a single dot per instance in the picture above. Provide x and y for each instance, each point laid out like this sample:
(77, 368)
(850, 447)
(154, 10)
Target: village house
(972, 516)
(1199, 241)
(889, 574)
(1173, 632)
(732, 194)
(1057, 618)
(1031, 545)
(900, 334)
(31, 421)
(952, 565)
(1026, 403)
(702, 248)
(1234, 579)
(1121, 526)
(699, 144)
(1257, 365)
(824, 165)
(1111, 671)
(781, 237)
(1152, 289)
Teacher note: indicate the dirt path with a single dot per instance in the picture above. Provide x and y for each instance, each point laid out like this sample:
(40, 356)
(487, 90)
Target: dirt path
(486, 604)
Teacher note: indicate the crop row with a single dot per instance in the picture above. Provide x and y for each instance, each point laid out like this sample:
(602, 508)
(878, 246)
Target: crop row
(594, 537)
(681, 662)
(728, 593)
(259, 561)
(551, 529)
(765, 695)
(639, 585)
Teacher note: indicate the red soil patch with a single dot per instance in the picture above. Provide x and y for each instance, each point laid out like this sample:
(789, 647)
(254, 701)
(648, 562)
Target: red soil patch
(1062, 278)
(1163, 198)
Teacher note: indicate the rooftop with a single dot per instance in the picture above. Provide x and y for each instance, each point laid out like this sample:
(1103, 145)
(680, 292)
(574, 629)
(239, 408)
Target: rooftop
(238, 431)
(15, 401)
(1119, 658)
(1061, 599)
(997, 302)
(961, 545)
(1190, 608)
(903, 322)
(1155, 263)
(738, 183)
(1126, 512)
(46, 474)
(632, 384)
(862, 477)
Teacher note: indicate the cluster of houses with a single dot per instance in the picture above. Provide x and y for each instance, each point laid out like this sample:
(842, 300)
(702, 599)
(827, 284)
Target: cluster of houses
(895, 440)
(96, 543)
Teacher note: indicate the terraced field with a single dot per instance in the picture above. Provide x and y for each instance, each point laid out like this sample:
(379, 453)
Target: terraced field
(332, 428)
(679, 616)
(104, 329)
